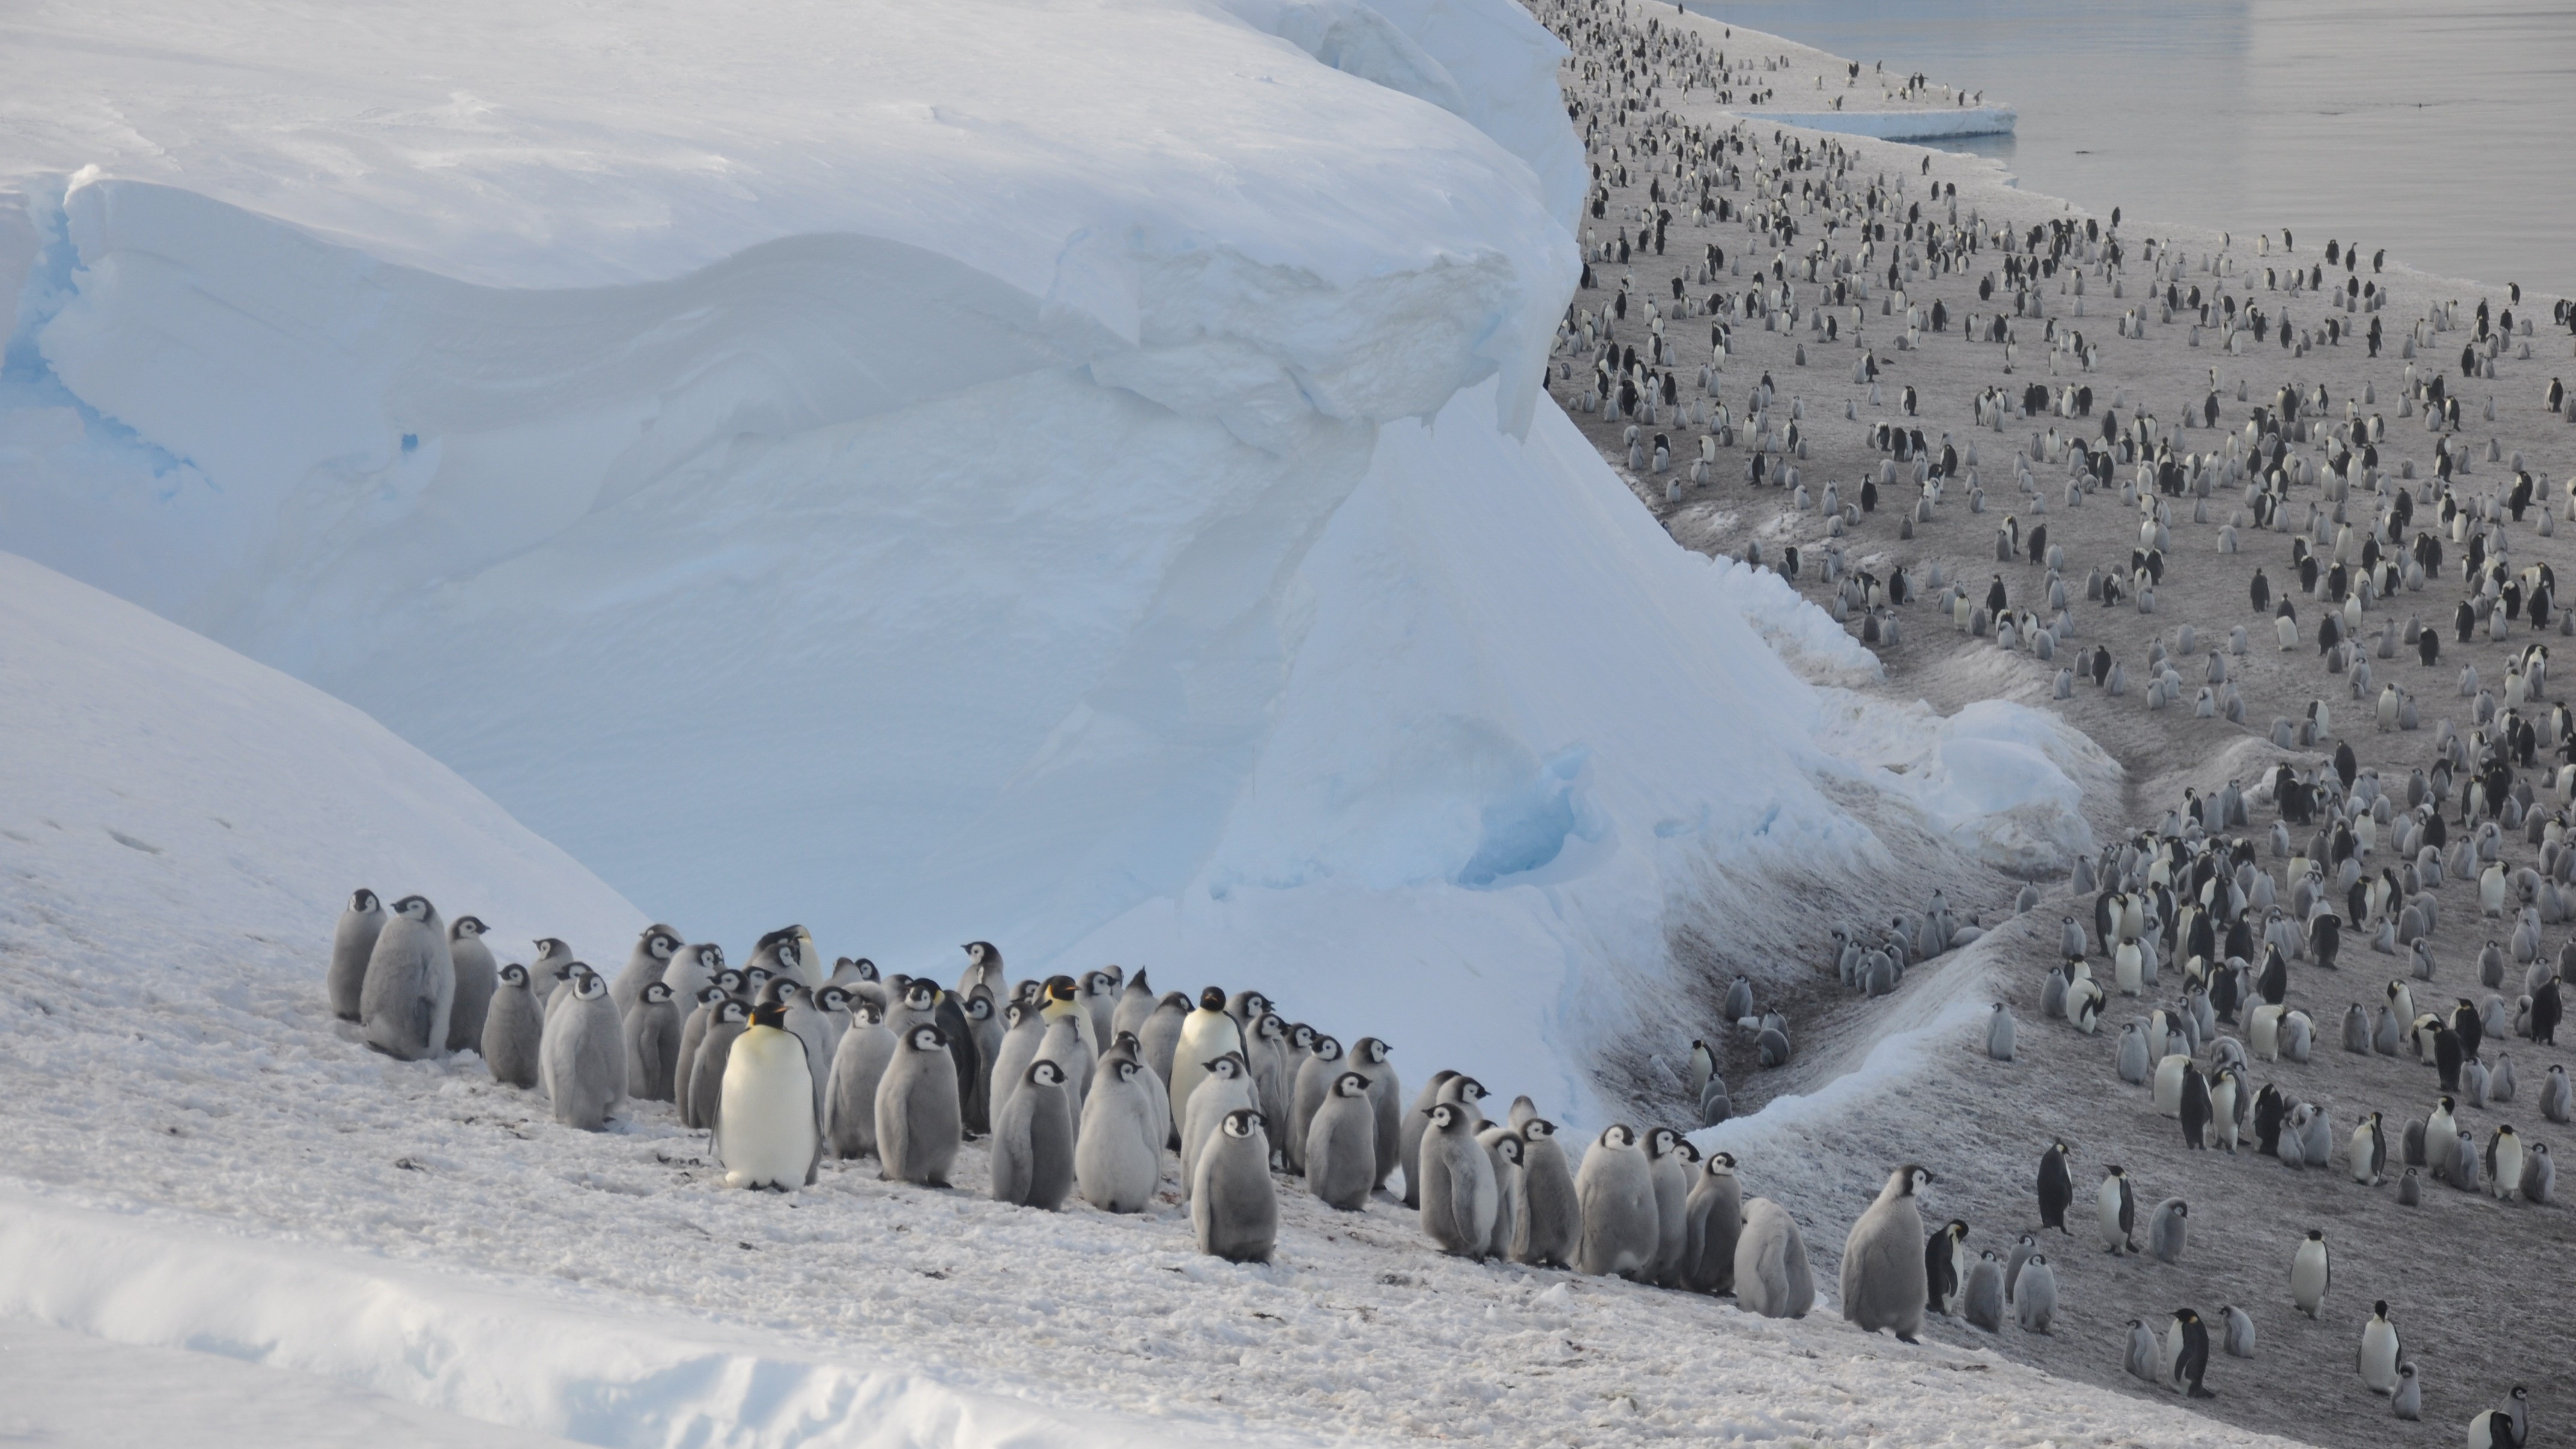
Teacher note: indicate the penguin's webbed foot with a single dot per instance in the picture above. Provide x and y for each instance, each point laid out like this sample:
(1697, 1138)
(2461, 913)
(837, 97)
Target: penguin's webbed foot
(2198, 1392)
(1908, 1338)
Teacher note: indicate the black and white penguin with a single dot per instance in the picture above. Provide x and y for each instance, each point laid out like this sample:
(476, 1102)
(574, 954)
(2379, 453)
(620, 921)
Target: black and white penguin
(353, 940)
(653, 952)
(1551, 1225)
(2187, 1354)
(476, 979)
(1615, 1197)
(1771, 1273)
(2056, 1186)
(2115, 1207)
(767, 1136)
(1459, 1193)
(652, 1045)
(410, 987)
(1118, 1151)
(1340, 1152)
(1716, 1218)
(850, 1093)
(1945, 1265)
(1234, 1208)
(583, 1053)
(1033, 1141)
(513, 1028)
(920, 1121)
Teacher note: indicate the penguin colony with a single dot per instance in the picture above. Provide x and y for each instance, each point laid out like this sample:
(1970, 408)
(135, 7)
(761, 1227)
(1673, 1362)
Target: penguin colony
(1812, 252)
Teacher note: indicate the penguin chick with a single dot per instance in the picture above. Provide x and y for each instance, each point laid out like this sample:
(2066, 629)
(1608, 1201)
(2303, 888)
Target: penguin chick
(1234, 1209)
(1882, 1274)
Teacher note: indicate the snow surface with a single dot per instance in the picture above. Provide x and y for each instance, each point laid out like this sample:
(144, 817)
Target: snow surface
(1086, 489)
(1925, 125)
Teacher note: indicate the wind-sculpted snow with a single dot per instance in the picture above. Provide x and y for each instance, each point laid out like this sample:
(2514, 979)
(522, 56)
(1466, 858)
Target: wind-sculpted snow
(1073, 476)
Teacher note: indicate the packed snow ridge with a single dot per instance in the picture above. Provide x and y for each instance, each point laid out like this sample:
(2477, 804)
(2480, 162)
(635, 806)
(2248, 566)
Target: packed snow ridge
(811, 469)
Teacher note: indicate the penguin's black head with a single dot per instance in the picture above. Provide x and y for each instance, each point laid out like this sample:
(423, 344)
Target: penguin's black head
(2316, 1235)
(1469, 1089)
(1231, 1064)
(982, 953)
(921, 994)
(770, 1014)
(362, 900)
(1242, 1122)
(464, 926)
(1508, 1148)
(979, 1007)
(585, 982)
(711, 956)
(732, 1012)
(1061, 988)
(1660, 1141)
(1302, 1037)
(1915, 1177)
(656, 992)
(1044, 1073)
(730, 980)
(1126, 1042)
(866, 1013)
(1326, 1047)
(708, 995)
(1350, 1084)
(926, 1038)
(2378, 1306)
(417, 908)
(1445, 1116)
(832, 998)
(864, 969)
(1212, 999)
(514, 974)
(661, 941)
(779, 991)
(1373, 1051)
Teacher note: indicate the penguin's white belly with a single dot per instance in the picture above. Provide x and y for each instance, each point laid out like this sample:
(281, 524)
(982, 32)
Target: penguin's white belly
(768, 1130)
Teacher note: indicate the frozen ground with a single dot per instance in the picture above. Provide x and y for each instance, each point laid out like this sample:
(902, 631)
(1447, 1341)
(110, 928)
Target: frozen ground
(2476, 1285)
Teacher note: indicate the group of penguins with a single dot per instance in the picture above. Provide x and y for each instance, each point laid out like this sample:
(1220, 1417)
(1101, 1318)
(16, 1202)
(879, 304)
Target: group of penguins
(1083, 1086)
(2189, 891)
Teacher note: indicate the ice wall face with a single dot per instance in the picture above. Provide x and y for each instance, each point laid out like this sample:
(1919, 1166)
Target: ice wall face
(1072, 475)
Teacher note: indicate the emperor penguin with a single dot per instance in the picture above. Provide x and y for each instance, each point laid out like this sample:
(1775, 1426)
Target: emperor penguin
(1882, 1274)
(1771, 1274)
(511, 1030)
(1100, 998)
(1458, 1188)
(850, 1095)
(1615, 1197)
(2505, 1428)
(1135, 1004)
(2380, 1351)
(766, 1133)
(1716, 1216)
(652, 1045)
(353, 941)
(1160, 1041)
(1118, 1153)
(2369, 1152)
(693, 1036)
(2237, 1334)
(1369, 1058)
(802, 1017)
(476, 979)
(1233, 1205)
(2115, 1207)
(548, 974)
(1033, 1141)
(2035, 1295)
(2539, 1174)
(2187, 1354)
(1206, 1035)
(2311, 1273)
(2557, 1097)
(1306, 1095)
(2143, 1358)
(1064, 1046)
(1273, 1074)
(983, 968)
(1552, 1227)
(1024, 1033)
(1503, 1148)
(2505, 1159)
(2167, 1230)
(2056, 1186)
(1945, 1267)
(1341, 1145)
(1670, 1160)
(584, 1051)
(646, 963)
(1225, 1086)
(2408, 1402)
(2024, 1248)
(1999, 1033)
(1981, 1300)
(1417, 1119)
(692, 969)
(920, 1121)
(410, 988)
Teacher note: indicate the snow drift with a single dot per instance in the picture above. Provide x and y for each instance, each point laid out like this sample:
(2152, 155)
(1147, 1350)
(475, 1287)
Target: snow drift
(1085, 488)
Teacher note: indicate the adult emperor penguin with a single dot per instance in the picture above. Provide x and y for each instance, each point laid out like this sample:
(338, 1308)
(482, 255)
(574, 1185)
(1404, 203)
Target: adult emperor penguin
(1458, 1185)
(512, 1028)
(1233, 1205)
(1981, 1300)
(1716, 1218)
(2168, 1230)
(766, 1133)
(2505, 1160)
(1118, 1154)
(2187, 1354)
(584, 1052)
(1882, 1276)
(2115, 1208)
(2505, 1428)
(2056, 1186)
(850, 1094)
(1553, 1225)
(1033, 1141)
(1370, 1058)
(1206, 1035)
(652, 954)
(1615, 1196)
(2369, 1152)
(652, 1045)
(2035, 1295)
(353, 940)
(2380, 1351)
(1224, 1087)
(920, 1122)
(2311, 1273)
(1771, 1274)
(1945, 1267)
(411, 983)
(1341, 1145)
(476, 979)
